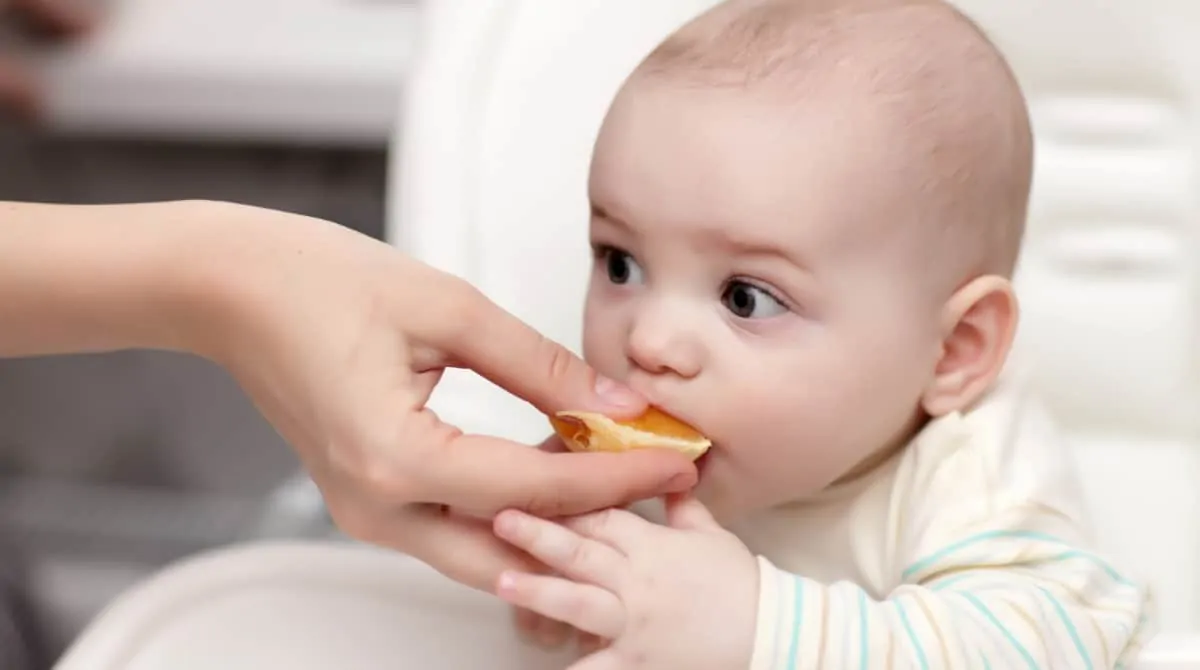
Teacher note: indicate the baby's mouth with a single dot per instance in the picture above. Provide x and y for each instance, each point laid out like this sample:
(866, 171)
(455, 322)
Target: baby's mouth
(703, 461)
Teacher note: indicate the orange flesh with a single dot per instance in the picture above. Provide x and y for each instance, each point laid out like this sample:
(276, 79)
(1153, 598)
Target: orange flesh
(660, 423)
(570, 428)
(653, 421)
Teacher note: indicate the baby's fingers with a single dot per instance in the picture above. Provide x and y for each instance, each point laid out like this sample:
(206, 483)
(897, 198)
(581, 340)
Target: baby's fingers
(589, 608)
(562, 549)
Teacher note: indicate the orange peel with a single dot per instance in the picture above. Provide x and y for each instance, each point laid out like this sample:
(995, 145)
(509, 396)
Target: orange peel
(653, 429)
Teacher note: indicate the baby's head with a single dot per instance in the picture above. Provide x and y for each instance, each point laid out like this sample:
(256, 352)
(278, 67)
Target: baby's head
(805, 217)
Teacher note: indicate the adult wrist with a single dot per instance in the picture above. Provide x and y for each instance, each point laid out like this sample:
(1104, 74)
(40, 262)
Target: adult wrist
(216, 294)
(77, 279)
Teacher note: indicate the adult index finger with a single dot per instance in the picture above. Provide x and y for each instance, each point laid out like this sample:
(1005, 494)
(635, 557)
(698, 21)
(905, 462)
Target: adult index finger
(494, 343)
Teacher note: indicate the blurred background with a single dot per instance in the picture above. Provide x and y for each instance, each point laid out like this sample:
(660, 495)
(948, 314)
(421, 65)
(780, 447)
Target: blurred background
(111, 465)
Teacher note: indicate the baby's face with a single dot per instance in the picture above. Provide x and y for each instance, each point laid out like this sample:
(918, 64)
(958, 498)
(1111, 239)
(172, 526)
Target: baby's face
(749, 278)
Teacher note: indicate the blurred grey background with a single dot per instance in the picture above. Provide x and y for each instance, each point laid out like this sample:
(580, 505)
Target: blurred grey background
(112, 465)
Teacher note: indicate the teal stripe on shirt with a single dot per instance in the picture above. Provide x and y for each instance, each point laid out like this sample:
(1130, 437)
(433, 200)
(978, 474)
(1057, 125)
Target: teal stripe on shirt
(1007, 634)
(794, 647)
(912, 637)
(940, 554)
(1062, 615)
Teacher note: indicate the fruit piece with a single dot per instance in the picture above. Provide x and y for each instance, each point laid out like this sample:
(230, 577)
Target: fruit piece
(654, 429)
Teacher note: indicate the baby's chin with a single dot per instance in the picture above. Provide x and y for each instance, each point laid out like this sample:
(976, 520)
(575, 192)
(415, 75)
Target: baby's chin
(720, 493)
(727, 507)
(732, 499)
(733, 494)
(727, 495)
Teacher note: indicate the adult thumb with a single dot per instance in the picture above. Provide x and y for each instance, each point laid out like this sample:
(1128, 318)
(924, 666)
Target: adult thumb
(511, 354)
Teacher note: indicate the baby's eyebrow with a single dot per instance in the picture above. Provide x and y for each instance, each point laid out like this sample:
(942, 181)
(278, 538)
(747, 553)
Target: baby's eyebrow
(723, 237)
(613, 223)
(599, 212)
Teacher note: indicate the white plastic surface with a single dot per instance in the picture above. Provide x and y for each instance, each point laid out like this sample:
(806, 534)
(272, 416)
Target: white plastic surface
(315, 606)
(494, 150)
(311, 606)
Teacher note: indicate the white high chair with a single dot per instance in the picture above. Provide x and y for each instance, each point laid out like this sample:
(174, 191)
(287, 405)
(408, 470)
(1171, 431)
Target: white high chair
(491, 169)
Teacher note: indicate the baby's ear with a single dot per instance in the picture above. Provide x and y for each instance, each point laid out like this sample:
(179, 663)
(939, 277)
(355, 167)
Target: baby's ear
(978, 324)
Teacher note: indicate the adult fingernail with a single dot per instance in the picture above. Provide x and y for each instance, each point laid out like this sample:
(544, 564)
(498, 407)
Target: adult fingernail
(615, 394)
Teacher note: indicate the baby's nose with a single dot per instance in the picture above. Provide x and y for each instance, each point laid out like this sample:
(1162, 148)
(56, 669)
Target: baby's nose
(661, 342)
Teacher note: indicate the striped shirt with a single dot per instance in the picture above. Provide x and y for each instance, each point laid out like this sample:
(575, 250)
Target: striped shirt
(968, 549)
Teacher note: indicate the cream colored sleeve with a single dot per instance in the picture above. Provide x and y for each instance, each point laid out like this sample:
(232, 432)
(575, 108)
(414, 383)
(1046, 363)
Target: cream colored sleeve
(991, 572)
(1065, 610)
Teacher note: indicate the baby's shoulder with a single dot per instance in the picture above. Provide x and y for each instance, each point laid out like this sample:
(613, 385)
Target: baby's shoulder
(1004, 456)
(1008, 439)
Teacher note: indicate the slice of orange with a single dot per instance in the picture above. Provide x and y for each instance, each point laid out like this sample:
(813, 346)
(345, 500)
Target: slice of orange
(654, 429)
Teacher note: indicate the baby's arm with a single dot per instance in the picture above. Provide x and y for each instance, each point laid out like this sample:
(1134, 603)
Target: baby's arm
(998, 598)
(994, 571)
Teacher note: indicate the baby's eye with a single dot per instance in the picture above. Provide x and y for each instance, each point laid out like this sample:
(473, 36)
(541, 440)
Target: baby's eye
(620, 266)
(748, 301)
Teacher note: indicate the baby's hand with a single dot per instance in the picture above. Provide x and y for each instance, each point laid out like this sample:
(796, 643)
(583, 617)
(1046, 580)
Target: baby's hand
(683, 596)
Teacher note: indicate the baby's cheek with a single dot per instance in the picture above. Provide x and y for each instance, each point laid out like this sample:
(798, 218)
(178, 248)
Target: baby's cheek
(603, 349)
(743, 478)
(781, 476)
(776, 466)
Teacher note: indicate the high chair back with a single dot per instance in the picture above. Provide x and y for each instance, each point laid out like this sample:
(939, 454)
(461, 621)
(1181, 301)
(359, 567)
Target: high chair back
(491, 177)
(1109, 273)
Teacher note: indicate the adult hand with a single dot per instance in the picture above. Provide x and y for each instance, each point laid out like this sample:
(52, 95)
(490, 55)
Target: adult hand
(52, 18)
(340, 339)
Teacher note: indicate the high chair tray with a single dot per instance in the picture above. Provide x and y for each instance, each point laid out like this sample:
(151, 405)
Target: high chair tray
(303, 606)
(338, 606)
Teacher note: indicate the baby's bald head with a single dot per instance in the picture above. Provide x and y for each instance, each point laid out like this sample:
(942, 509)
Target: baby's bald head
(799, 212)
(956, 129)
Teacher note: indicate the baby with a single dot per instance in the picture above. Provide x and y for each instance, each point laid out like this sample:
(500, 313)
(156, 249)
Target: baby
(805, 218)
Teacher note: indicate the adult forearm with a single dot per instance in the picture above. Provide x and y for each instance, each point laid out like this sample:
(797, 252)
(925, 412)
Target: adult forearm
(98, 278)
